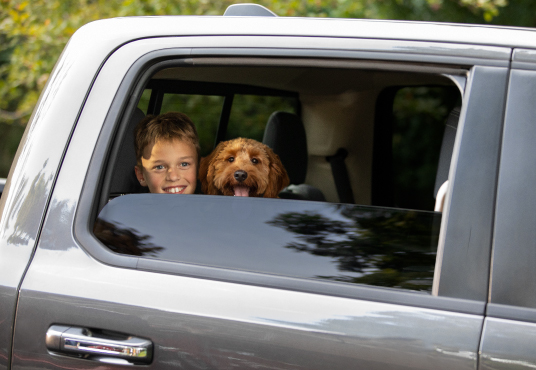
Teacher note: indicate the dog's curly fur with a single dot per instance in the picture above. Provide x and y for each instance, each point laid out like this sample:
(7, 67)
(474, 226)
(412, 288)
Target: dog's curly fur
(260, 171)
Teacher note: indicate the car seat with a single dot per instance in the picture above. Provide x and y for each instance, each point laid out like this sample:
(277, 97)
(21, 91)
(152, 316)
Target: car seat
(285, 135)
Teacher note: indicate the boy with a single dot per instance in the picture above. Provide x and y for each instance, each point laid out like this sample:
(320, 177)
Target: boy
(167, 153)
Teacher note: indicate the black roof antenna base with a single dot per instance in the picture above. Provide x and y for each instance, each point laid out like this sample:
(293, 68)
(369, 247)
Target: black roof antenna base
(248, 10)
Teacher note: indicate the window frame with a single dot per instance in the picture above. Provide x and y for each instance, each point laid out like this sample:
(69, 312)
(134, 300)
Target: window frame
(127, 98)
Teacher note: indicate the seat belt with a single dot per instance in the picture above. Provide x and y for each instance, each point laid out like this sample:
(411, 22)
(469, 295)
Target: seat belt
(340, 175)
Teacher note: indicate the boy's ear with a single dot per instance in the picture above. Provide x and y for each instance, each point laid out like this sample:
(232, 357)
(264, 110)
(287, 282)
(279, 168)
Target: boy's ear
(139, 176)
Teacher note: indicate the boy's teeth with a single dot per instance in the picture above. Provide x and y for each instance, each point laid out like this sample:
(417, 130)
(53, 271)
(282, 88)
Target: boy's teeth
(174, 190)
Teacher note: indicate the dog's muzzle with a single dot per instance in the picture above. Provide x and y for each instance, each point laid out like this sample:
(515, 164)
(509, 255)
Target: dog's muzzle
(241, 190)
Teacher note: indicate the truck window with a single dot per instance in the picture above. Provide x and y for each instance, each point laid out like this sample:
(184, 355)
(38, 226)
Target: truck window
(376, 223)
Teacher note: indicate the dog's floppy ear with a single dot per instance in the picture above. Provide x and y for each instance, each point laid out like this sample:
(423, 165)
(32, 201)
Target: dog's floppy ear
(278, 177)
(206, 170)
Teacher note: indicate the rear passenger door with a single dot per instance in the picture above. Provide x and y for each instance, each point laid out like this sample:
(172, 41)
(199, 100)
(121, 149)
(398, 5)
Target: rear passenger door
(218, 282)
(510, 326)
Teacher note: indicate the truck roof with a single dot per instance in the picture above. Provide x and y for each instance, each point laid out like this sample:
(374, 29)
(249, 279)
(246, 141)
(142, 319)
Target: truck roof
(130, 28)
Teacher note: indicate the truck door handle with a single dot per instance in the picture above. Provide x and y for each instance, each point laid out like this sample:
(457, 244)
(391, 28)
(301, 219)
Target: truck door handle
(98, 345)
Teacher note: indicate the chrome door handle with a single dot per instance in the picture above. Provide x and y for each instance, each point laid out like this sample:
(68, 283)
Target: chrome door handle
(82, 341)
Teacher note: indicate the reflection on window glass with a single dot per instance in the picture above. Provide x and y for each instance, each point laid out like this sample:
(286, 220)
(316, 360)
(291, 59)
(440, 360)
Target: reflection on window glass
(312, 240)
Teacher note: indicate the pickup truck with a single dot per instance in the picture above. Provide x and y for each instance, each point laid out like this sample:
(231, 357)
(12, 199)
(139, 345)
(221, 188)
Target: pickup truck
(406, 239)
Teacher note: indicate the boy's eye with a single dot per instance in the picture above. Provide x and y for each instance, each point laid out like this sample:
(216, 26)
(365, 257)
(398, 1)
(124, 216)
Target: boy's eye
(185, 164)
(159, 167)
(254, 160)
(231, 159)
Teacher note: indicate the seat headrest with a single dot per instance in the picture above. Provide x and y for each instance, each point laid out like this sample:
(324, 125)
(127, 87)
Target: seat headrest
(285, 134)
(124, 179)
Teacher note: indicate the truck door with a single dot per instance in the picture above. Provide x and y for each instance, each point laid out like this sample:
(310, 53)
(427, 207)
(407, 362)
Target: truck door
(200, 281)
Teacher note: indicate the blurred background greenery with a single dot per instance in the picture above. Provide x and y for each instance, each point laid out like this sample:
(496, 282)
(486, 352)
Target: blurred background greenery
(33, 34)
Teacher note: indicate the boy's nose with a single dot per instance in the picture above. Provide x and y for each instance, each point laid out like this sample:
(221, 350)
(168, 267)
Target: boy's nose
(173, 174)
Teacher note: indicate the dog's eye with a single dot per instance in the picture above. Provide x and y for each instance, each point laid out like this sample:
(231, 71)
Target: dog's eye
(231, 159)
(254, 160)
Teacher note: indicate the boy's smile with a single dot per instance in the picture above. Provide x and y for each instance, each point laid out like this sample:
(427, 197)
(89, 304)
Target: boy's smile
(169, 166)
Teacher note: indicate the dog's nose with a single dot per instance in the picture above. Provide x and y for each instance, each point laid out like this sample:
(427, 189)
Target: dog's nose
(240, 175)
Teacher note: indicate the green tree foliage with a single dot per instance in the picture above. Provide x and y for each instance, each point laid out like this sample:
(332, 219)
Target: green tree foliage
(33, 34)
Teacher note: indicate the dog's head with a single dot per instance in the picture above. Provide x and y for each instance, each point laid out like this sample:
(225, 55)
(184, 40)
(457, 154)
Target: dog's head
(242, 167)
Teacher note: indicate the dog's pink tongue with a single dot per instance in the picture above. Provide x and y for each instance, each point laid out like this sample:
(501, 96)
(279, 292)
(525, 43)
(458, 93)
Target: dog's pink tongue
(241, 191)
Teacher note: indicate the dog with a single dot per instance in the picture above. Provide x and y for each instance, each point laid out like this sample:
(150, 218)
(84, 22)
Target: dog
(243, 168)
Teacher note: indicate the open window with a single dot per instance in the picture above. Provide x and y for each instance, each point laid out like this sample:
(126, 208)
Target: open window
(378, 143)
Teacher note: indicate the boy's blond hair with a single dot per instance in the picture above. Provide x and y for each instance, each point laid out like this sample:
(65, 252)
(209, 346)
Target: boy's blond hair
(166, 126)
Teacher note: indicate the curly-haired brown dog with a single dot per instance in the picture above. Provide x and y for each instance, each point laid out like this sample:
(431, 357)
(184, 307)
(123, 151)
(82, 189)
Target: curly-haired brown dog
(244, 168)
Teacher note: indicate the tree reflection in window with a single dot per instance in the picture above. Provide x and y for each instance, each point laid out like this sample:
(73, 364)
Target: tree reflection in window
(124, 240)
(391, 248)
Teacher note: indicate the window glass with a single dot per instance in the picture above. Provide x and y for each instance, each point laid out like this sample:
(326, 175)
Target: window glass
(313, 240)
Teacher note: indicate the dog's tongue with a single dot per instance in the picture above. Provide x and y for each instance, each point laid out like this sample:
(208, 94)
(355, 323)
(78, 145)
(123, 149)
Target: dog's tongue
(241, 191)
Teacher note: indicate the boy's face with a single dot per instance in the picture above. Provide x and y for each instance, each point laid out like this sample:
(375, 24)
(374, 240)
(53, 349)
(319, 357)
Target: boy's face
(169, 166)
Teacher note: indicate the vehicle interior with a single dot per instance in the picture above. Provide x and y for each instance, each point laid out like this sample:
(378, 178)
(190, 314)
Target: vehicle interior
(376, 136)
(372, 137)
